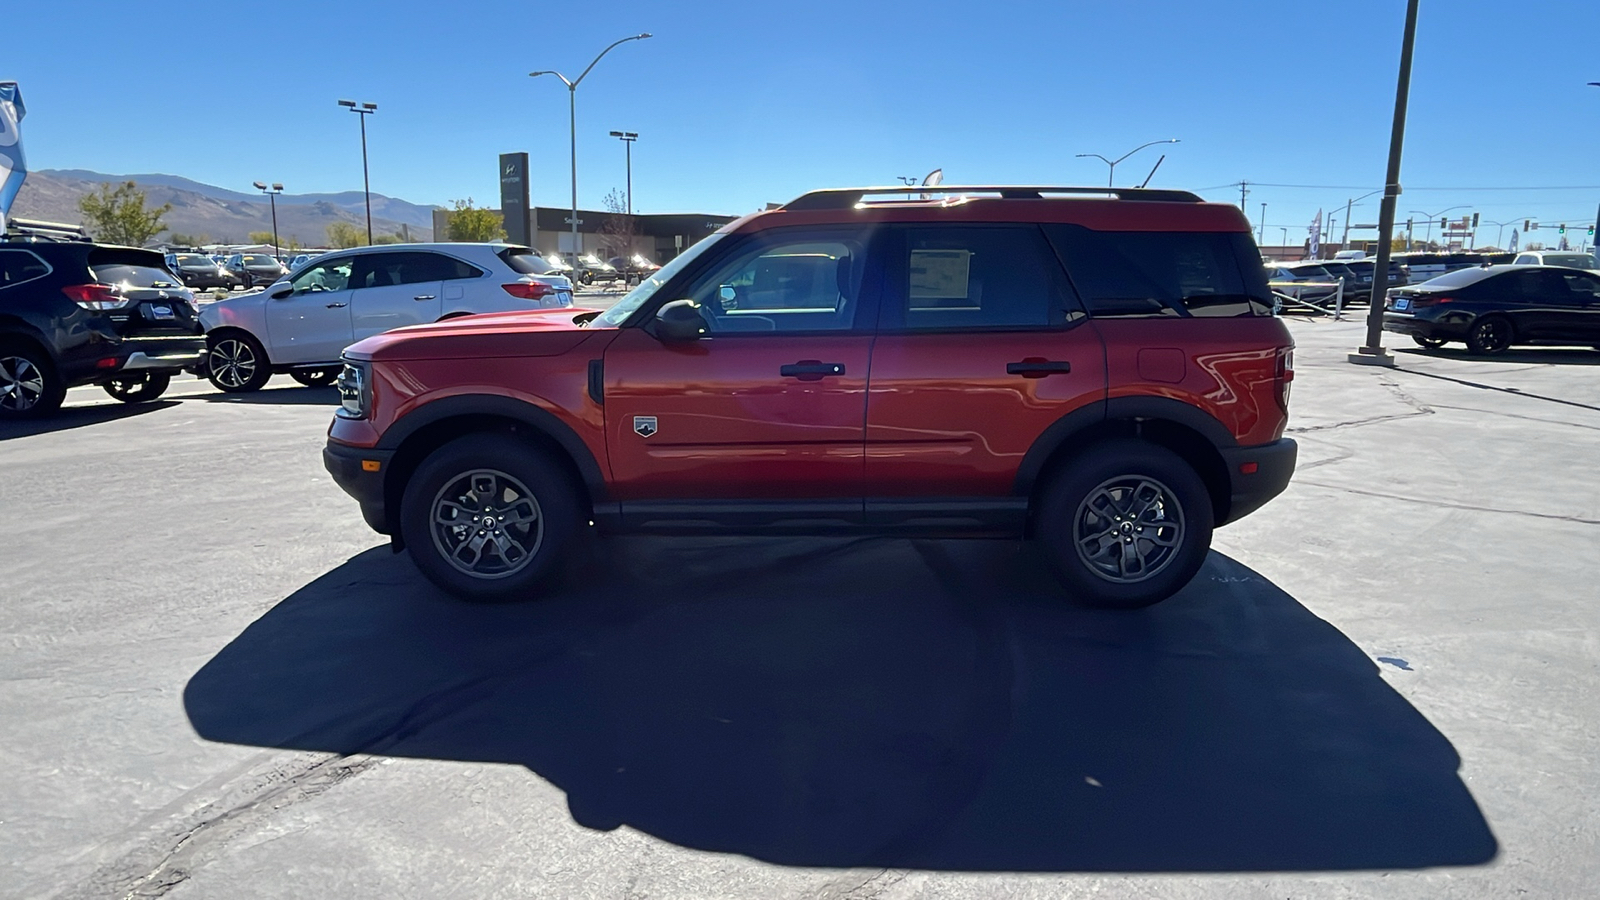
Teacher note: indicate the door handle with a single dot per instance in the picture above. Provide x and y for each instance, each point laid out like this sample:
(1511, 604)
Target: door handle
(811, 370)
(1038, 368)
(423, 297)
(336, 306)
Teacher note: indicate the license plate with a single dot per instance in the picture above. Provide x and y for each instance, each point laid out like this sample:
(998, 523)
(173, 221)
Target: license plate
(564, 296)
(161, 312)
(1402, 303)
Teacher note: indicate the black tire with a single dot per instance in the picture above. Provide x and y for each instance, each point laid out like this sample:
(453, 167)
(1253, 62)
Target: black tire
(1174, 513)
(30, 386)
(1427, 342)
(315, 377)
(452, 483)
(237, 363)
(1489, 335)
(588, 278)
(138, 388)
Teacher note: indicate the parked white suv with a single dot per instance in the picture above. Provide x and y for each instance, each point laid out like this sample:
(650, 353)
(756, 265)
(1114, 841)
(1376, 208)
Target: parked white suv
(303, 321)
(1567, 259)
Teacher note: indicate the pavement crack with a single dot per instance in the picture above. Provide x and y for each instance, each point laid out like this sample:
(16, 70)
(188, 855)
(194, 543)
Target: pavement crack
(1418, 408)
(1445, 504)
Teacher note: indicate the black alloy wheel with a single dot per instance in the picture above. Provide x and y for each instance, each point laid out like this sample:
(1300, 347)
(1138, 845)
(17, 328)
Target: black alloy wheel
(1124, 524)
(315, 377)
(1489, 335)
(138, 388)
(29, 385)
(1428, 342)
(488, 517)
(237, 363)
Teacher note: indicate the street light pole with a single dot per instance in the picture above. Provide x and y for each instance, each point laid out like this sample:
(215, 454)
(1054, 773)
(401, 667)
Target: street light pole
(364, 109)
(1263, 234)
(1113, 162)
(1344, 243)
(272, 198)
(1372, 352)
(1427, 236)
(627, 138)
(572, 112)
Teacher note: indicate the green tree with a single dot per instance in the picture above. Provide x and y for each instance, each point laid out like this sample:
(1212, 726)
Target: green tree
(468, 223)
(344, 234)
(261, 237)
(188, 240)
(117, 215)
(396, 238)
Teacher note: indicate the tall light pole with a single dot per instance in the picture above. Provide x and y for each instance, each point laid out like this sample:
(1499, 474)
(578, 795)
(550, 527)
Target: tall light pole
(364, 110)
(1427, 236)
(1263, 235)
(1500, 228)
(1113, 162)
(628, 137)
(572, 110)
(272, 198)
(1344, 242)
(1372, 353)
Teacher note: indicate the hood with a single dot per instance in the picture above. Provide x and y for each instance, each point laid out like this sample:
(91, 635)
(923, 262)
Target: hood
(546, 332)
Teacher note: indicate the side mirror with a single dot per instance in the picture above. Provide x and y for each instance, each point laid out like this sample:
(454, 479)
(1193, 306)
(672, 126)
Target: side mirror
(282, 292)
(680, 321)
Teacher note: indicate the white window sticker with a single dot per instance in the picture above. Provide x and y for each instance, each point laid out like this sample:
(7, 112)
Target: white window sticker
(939, 275)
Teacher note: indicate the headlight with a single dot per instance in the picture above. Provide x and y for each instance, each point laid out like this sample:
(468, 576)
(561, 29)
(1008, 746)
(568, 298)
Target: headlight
(355, 390)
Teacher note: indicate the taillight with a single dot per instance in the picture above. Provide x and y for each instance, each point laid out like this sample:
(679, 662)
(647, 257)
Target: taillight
(99, 297)
(1284, 375)
(1421, 301)
(529, 290)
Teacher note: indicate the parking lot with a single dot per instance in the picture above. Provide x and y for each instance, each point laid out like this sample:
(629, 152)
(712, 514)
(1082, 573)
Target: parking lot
(1386, 683)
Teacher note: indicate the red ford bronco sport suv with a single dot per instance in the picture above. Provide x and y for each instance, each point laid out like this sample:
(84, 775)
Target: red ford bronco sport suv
(1095, 369)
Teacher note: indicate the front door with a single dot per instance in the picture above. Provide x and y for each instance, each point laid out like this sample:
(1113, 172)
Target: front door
(769, 403)
(981, 347)
(312, 323)
(393, 290)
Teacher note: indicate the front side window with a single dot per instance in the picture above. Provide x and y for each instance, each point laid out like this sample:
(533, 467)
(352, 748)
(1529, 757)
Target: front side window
(784, 283)
(1584, 287)
(639, 296)
(1160, 273)
(329, 275)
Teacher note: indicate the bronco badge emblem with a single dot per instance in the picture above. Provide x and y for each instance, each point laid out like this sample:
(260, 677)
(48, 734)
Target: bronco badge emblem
(644, 426)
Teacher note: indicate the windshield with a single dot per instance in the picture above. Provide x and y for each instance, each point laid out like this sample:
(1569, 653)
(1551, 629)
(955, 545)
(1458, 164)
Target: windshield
(1571, 260)
(647, 288)
(190, 259)
(260, 261)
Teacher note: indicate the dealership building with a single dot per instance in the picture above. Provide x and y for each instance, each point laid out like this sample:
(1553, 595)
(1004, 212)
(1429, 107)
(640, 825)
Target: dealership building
(658, 237)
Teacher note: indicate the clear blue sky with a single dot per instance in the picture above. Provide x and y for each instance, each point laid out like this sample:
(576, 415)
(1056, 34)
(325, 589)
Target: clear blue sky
(740, 103)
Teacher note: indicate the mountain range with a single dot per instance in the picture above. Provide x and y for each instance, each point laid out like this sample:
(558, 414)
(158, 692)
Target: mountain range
(220, 215)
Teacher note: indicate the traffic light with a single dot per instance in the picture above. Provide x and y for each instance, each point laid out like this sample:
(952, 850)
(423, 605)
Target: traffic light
(1474, 220)
(1527, 224)
(1444, 223)
(1562, 230)
(1591, 231)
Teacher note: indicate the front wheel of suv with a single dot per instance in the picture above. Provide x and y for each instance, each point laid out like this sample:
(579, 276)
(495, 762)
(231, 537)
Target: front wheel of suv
(1125, 524)
(29, 385)
(489, 518)
(138, 388)
(237, 363)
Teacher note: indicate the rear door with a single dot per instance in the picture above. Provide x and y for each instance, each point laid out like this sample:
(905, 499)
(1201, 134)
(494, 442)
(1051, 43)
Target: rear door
(1583, 296)
(392, 290)
(981, 346)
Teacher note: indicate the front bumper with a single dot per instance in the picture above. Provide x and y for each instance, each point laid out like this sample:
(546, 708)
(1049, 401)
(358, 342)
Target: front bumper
(1258, 474)
(361, 473)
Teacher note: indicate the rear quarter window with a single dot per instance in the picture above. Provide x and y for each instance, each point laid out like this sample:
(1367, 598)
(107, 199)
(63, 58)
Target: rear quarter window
(526, 262)
(1163, 273)
(17, 266)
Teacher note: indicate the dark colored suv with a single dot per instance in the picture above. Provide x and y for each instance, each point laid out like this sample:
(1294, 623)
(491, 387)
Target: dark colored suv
(76, 313)
(1096, 369)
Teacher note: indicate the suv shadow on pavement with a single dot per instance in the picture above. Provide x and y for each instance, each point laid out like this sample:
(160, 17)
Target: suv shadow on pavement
(80, 416)
(286, 395)
(1559, 356)
(879, 702)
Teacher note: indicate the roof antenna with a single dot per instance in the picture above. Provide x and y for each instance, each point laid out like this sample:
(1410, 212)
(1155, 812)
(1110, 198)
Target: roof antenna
(1152, 171)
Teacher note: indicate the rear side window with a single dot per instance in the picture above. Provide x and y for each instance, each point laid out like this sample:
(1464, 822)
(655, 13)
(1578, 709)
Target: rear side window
(526, 262)
(17, 266)
(965, 277)
(1161, 273)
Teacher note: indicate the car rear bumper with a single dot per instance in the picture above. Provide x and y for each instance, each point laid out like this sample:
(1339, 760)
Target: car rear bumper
(1401, 323)
(360, 472)
(1258, 474)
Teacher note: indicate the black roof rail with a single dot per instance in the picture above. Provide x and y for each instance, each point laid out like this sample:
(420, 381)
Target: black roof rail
(844, 198)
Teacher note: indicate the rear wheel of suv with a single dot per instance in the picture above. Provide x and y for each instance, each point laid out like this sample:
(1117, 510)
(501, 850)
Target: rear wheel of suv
(29, 385)
(237, 363)
(1125, 524)
(138, 388)
(1489, 335)
(315, 377)
(488, 517)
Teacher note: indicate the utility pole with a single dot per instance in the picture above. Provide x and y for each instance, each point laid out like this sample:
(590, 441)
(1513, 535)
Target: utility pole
(1242, 193)
(1263, 234)
(1372, 353)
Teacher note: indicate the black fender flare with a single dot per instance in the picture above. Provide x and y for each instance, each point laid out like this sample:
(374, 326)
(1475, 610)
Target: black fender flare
(528, 414)
(1120, 408)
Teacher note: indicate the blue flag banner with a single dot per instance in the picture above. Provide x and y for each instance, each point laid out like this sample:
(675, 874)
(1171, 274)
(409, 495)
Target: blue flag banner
(13, 168)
